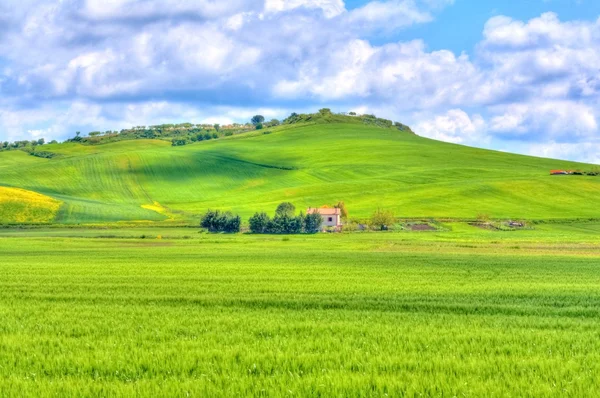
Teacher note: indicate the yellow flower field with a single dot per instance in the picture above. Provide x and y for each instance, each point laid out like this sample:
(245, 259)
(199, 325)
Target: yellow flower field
(22, 206)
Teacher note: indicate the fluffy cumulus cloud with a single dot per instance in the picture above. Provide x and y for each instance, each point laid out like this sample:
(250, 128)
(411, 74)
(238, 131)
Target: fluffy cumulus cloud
(104, 64)
(454, 126)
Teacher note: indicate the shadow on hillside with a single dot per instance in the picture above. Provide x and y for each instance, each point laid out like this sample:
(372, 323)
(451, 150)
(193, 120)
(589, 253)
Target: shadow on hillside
(206, 164)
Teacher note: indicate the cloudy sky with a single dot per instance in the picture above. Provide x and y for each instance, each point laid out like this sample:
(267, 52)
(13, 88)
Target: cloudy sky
(514, 75)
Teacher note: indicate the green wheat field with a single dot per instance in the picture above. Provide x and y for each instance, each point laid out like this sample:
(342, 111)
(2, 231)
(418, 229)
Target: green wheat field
(465, 312)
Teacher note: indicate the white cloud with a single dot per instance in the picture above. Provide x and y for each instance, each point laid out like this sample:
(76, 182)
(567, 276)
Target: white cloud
(563, 121)
(330, 8)
(159, 9)
(403, 74)
(454, 126)
(384, 15)
(588, 152)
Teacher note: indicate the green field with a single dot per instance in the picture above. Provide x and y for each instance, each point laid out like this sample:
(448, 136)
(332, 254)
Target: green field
(308, 164)
(468, 312)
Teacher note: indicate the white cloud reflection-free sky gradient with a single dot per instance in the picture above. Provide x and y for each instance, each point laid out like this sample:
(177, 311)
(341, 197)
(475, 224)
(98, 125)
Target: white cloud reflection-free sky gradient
(497, 74)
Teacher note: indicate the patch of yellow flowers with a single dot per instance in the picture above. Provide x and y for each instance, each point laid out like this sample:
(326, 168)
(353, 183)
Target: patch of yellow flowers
(22, 206)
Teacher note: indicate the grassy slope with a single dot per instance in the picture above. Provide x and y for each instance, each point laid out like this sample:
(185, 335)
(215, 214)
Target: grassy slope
(312, 165)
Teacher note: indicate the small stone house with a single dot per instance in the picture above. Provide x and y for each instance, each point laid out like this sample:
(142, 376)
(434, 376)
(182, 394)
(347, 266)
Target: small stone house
(331, 217)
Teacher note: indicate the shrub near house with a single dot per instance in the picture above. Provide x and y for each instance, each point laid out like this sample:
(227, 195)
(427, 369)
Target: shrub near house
(285, 222)
(216, 221)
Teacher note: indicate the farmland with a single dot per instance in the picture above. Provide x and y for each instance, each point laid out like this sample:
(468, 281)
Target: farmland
(174, 312)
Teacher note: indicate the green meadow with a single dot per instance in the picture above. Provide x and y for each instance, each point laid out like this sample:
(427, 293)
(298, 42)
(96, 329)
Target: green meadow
(174, 312)
(367, 167)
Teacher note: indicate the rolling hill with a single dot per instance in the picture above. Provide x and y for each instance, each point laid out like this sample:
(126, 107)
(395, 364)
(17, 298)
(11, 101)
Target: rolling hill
(309, 164)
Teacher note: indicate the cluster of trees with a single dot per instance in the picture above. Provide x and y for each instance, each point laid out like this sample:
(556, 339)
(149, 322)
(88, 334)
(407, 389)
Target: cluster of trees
(24, 144)
(285, 221)
(325, 115)
(179, 134)
(259, 122)
(179, 141)
(217, 221)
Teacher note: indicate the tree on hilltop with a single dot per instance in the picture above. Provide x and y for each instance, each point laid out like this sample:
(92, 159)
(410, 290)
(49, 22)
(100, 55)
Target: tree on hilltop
(257, 119)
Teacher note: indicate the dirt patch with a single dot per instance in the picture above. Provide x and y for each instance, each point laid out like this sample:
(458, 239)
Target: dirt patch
(422, 227)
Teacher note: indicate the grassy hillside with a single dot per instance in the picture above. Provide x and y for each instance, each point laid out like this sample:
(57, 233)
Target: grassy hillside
(365, 166)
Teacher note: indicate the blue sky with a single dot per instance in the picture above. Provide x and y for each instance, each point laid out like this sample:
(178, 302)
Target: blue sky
(458, 28)
(520, 76)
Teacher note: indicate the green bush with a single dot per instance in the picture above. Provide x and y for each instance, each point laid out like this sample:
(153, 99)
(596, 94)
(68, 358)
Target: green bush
(382, 219)
(216, 221)
(259, 223)
(312, 223)
(285, 224)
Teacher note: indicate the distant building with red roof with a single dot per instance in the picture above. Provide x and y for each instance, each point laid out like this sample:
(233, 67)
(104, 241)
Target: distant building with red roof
(331, 217)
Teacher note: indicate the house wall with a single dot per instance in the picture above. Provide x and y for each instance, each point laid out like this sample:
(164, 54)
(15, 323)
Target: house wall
(335, 221)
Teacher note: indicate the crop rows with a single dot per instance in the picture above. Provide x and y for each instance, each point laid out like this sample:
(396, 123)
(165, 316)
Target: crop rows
(305, 316)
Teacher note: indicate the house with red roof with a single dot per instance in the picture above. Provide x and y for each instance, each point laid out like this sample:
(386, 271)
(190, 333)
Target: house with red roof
(331, 217)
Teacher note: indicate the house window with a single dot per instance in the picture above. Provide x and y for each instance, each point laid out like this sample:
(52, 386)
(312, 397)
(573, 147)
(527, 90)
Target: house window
(330, 219)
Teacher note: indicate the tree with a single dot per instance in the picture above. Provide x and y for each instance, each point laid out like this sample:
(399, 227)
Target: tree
(257, 119)
(217, 127)
(259, 126)
(325, 111)
(382, 219)
(215, 135)
(216, 221)
(178, 142)
(285, 224)
(41, 141)
(209, 220)
(343, 210)
(259, 223)
(285, 208)
(312, 223)
(232, 224)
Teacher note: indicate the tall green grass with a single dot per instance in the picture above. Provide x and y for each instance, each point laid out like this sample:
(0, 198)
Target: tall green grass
(464, 313)
(311, 165)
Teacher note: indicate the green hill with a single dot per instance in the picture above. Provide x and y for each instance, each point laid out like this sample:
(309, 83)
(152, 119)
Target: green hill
(312, 163)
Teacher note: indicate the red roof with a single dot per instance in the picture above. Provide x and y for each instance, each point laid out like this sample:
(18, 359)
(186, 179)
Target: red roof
(324, 212)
